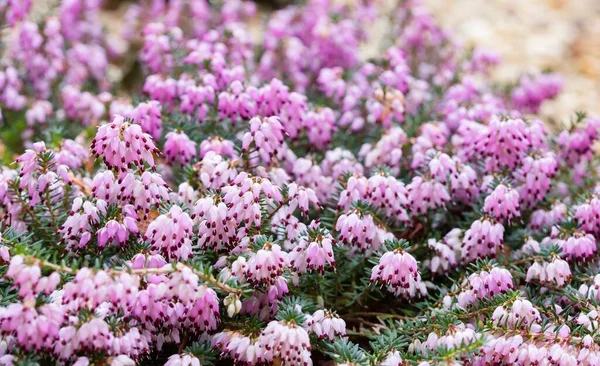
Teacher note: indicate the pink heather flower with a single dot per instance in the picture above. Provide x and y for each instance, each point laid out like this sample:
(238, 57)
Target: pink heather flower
(483, 239)
(216, 172)
(482, 60)
(91, 288)
(121, 144)
(392, 359)
(82, 106)
(388, 193)
(195, 101)
(340, 161)
(533, 90)
(319, 127)
(504, 143)
(158, 44)
(28, 279)
(444, 259)
(485, 285)
(140, 261)
(325, 324)
(148, 115)
(186, 195)
(546, 219)
(146, 191)
(592, 290)
(217, 229)
(183, 360)
(314, 251)
(170, 234)
(239, 347)
(72, 154)
(503, 203)
(576, 247)
(522, 313)
(143, 192)
(387, 151)
(266, 135)
(534, 176)
(265, 303)
(587, 215)
(357, 229)
(85, 63)
(17, 10)
(161, 89)
(556, 272)
(385, 106)
(122, 360)
(4, 253)
(118, 229)
(302, 198)
(576, 144)
(244, 194)
(426, 194)
(42, 183)
(39, 113)
(457, 335)
(440, 166)
(43, 322)
(203, 311)
(286, 341)
(511, 350)
(331, 83)
(77, 230)
(398, 270)
(218, 145)
(463, 184)
(266, 265)
(179, 148)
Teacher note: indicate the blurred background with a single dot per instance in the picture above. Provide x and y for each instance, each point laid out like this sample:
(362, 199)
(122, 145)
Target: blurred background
(562, 35)
(531, 35)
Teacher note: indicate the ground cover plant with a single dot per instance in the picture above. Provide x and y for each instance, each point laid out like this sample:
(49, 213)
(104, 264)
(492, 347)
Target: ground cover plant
(273, 197)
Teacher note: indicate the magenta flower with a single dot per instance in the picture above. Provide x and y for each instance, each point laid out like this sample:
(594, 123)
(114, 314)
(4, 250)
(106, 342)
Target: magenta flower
(218, 229)
(425, 194)
(503, 203)
(556, 272)
(183, 360)
(266, 136)
(483, 239)
(266, 265)
(503, 144)
(398, 270)
(118, 229)
(532, 91)
(170, 234)
(77, 230)
(239, 347)
(522, 314)
(325, 324)
(219, 146)
(287, 341)
(122, 144)
(314, 251)
(485, 285)
(179, 148)
(148, 115)
(588, 215)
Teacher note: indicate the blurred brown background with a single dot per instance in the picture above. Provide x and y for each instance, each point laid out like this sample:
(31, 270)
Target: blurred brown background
(562, 35)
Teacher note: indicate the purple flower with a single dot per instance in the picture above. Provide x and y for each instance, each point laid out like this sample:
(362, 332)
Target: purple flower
(122, 144)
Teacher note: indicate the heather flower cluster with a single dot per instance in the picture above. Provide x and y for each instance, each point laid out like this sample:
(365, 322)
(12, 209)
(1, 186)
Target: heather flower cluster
(193, 190)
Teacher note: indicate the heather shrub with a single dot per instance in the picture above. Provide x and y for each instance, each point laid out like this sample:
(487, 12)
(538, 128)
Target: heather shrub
(278, 199)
